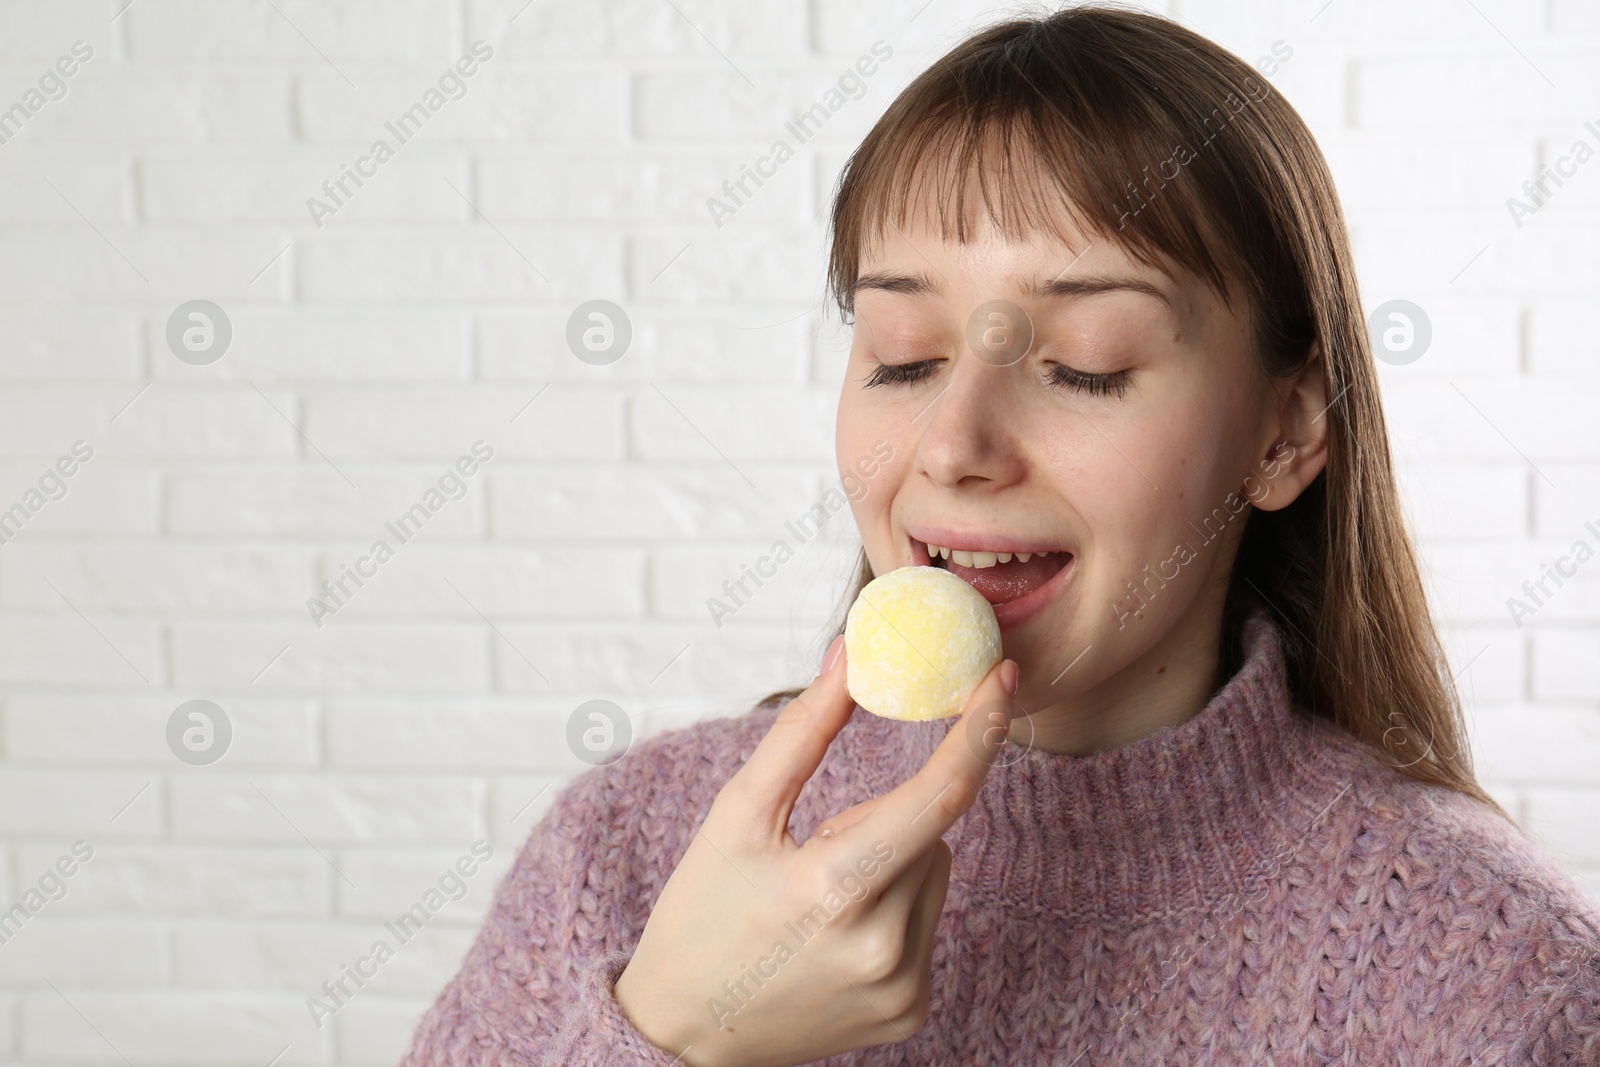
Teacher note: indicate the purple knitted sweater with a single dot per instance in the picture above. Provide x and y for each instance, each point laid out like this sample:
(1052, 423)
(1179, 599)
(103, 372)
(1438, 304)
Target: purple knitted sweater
(1253, 886)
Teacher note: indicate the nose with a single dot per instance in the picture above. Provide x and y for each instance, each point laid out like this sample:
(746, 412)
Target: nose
(967, 440)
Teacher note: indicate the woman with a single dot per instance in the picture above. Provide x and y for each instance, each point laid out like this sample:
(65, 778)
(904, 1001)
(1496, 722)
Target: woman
(1108, 333)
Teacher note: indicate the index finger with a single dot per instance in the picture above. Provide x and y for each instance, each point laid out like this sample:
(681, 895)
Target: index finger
(916, 813)
(770, 781)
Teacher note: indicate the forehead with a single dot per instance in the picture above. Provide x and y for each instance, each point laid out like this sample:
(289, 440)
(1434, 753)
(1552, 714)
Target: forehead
(917, 260)
(1017, 216)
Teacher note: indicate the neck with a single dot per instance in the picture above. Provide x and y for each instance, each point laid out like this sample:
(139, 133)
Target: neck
(1177, 820)
(1167, 684)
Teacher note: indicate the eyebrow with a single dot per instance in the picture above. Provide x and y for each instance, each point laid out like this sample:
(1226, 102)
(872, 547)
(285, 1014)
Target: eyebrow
(919, 284)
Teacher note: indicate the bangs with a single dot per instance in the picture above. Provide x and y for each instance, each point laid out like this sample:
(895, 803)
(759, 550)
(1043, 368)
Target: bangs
(1036, 127)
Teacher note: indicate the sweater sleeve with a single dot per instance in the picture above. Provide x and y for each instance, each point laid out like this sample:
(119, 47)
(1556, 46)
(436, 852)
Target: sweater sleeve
(536, 988)
(1563, 1018)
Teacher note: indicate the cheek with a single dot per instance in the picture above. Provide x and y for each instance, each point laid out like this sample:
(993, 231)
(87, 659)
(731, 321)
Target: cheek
(857, 427)
(863, 434)
(1139, 482)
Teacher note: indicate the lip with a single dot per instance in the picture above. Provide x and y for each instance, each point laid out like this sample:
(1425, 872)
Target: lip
(977, 542)
(1012, 613)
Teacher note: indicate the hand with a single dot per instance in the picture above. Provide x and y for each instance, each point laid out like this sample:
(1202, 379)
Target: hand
(764, 952)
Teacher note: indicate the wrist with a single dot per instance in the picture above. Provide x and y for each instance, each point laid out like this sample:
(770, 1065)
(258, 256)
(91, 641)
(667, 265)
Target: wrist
(647, 1015)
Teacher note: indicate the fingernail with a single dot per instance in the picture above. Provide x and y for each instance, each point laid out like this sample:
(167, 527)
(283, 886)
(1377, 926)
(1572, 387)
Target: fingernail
(833, 654)
(1010, 676)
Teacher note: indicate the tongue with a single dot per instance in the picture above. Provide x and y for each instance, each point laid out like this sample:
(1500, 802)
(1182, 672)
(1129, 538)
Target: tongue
(1009, 581)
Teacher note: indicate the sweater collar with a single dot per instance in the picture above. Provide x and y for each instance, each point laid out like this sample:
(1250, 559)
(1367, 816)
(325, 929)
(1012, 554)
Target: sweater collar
(1178, 820)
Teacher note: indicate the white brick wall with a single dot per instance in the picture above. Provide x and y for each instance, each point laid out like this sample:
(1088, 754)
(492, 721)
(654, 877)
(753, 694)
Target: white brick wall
(369, 353)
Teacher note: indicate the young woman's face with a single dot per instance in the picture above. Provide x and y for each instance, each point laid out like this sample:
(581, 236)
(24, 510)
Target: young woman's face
(1119, 441)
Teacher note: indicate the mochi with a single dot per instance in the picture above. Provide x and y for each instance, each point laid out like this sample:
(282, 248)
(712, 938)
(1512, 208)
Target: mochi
(918, 640)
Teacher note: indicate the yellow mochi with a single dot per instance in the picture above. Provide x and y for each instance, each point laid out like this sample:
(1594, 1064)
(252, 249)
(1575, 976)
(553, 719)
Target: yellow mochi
(917, 642)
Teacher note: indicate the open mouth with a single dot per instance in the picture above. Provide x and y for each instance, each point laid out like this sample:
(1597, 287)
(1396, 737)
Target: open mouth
(1001, 577)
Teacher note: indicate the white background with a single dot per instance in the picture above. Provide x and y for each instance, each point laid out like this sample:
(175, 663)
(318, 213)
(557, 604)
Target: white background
(426, 314)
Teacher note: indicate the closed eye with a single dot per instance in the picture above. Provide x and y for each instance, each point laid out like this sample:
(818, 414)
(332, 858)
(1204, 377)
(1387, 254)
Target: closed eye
(901, 373)
(1058, 377)
(1115, 383)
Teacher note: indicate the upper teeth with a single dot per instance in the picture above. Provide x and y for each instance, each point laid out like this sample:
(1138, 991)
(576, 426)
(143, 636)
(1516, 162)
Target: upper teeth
(979, 559)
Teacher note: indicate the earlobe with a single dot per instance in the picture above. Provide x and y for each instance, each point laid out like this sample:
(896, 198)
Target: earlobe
(1276, 481)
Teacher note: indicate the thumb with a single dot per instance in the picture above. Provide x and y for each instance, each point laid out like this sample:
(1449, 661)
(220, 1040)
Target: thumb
(986, 721)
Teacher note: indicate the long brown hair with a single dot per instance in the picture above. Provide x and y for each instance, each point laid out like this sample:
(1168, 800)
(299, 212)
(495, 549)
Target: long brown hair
(1147, 134)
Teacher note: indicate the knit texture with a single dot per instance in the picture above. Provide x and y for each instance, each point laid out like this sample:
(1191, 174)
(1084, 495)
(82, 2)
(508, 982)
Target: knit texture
(1252, 886)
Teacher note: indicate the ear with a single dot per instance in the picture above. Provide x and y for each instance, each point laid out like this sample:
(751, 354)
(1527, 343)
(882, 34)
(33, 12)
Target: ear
(1297, 450)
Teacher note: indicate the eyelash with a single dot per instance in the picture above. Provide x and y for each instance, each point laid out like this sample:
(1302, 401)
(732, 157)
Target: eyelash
(899, 373)
(1115, 383)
